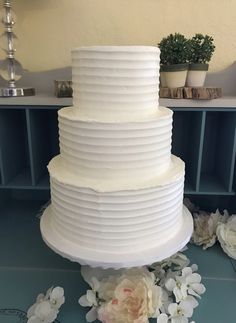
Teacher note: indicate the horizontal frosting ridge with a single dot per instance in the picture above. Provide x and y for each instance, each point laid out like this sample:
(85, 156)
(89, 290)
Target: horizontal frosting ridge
(110, 81)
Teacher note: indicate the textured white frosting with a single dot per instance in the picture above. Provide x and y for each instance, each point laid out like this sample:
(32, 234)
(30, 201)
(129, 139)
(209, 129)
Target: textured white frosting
(116, 190)
(101, 150)
(117, 220)
(98, 258)
(63, 174)
(110, 80)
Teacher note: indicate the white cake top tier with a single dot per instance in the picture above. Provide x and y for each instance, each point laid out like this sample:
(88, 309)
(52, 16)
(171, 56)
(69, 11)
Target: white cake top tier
(116, 81)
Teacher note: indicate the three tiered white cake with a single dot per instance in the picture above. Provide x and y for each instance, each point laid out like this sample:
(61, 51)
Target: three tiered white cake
(116, 190)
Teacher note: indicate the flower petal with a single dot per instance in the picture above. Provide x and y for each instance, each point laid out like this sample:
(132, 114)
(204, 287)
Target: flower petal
(170, 284)
(162, 318)
(48, 293)
(57, 292)
(40, 298)
(83, 301)
(34, 319)
(43, 309)
(180, 293)
(179, 319)
(31, 310)
(192, 300)
(45, 312)
(88, 272)
(192, 292)
(187, 308)
(187, 271)
(193, 278)
(91, 297)
(198, 288)
(51, 318)
(95, 283)
(91, 315)
(194, 267)
(172, 309)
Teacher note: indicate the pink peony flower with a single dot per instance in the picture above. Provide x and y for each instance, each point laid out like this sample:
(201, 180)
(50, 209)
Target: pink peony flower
(132, 298)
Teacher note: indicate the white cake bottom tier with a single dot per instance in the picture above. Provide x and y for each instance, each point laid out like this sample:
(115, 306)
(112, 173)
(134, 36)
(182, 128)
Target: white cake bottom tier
(103, 150)
(117, 221)
(129, 258)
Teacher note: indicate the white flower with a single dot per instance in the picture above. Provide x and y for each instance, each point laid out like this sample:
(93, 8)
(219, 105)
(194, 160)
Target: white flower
(205, 226)
(166, 300)
(34, 319)
(90, 299)
(178, 287)
(46, 308)
(179, 313)
(194, 267)
(187, 283)
(57, 297)
(226, 234)
(163, 318)
(193, 282)
(44, 313)
(205, 229)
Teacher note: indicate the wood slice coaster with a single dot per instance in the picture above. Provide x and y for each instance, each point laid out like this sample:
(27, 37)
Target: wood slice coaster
(195, 93)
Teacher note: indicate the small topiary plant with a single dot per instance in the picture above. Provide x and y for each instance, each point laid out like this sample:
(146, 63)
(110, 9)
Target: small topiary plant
(175, 49)
(201, 49)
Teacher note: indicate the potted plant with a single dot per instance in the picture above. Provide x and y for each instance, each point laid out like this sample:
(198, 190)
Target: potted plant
(174, 60)
(200, 53)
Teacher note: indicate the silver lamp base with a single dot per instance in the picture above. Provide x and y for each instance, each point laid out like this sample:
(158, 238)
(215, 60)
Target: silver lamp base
(16, 91)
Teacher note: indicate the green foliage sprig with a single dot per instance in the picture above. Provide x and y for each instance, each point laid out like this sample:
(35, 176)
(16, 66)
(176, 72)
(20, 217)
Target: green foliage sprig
(201, 49)
(175, 49)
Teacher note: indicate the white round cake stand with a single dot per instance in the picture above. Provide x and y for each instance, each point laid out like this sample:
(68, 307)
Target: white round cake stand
(85, 256)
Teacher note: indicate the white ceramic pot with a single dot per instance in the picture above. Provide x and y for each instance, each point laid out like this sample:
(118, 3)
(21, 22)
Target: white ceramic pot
(173, 76)
(196, 75)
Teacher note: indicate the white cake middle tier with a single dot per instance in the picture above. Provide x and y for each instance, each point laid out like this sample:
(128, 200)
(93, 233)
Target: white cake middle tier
(116, 150)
